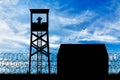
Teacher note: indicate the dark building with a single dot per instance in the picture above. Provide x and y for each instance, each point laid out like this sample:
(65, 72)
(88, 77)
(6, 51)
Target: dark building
(82, 62)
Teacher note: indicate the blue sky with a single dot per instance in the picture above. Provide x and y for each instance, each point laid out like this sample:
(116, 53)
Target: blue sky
(71, 21)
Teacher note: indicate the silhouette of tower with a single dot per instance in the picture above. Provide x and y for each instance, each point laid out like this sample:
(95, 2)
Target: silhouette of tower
(39, 59)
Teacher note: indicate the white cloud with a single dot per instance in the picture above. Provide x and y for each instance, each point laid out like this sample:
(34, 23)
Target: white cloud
(5, 27)
(105, 38)
(54, 38)
(57, 20)
(54, 41)
(85, 35)
(54, 45)
(17, 33)
(14, 34)
(102, 29)
(10, 38)
(8, 2)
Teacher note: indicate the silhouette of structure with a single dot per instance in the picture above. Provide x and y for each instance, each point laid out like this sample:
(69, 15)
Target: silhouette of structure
(75, 61)
(82, 61)
(39, 43)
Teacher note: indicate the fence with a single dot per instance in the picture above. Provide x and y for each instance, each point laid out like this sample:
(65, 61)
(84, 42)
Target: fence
(14, 63)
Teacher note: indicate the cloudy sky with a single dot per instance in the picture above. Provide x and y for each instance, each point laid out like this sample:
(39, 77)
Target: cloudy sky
(71, 21)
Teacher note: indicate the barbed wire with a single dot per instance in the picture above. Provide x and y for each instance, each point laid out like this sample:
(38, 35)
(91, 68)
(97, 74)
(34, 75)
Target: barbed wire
(114, 63)
(114, 66)
(19, 63)
(15, 63)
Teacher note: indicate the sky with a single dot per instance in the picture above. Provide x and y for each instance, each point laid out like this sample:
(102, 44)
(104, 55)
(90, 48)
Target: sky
(70, 22)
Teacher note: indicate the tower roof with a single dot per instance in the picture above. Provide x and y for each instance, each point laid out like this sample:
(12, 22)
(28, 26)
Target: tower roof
(39, 10)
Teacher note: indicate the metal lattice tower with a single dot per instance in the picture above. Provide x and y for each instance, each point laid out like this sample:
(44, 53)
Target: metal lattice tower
(39, 60)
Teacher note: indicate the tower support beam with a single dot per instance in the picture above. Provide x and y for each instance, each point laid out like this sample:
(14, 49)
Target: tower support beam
(39, 58)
